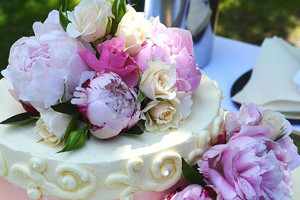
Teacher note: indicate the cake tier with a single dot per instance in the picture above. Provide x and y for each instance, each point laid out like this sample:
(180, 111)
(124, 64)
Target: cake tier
(10, 191)
(122, 167)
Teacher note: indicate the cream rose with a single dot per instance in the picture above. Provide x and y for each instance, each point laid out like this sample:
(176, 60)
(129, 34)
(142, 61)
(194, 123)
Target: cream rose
(89, 19)
(162, 115)
(52, 126)
(158, 80)
(276, 123)
(134, 29)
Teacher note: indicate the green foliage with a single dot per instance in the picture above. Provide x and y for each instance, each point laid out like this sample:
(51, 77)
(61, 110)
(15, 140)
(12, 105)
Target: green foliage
(75, 140)
(72, 126)
(140, 97)
(118, 10)
(64, 21)
(135, 130)
(191, 174)
(18, 119)
(296, 139)
(66, 108)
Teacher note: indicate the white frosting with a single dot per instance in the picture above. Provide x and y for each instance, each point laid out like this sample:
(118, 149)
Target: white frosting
(118, 168)
(3, 168)
(165, 170)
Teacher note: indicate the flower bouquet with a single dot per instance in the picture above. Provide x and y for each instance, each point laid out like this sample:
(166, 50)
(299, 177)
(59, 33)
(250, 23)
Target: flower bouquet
(102, 69)
(251, 159)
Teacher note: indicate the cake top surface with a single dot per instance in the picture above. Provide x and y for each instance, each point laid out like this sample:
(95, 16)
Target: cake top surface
(22, 138)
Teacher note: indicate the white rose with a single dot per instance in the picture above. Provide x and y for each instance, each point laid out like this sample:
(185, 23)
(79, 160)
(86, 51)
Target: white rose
(162, 115)
(134, 29)
(276, 123)
(52, 126)
(158, 80)
(89, 19)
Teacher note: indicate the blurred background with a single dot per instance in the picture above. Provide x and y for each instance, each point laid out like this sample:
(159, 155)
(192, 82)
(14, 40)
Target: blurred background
(245, 20)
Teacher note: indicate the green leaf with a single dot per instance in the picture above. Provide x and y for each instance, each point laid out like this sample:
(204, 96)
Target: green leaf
(63, 98)
(140, 97)
(72, 126)
(191, 174)
(65, 6)
(66, 108)
(35, 117)
(114, 27)
(108, 26)
(40, 140)
(17, 119)
(75, 140)
(64, 21)
(114, 8)
(283, 133)
(135, 130)
(140, 75)
(119, 10)
(296, 139)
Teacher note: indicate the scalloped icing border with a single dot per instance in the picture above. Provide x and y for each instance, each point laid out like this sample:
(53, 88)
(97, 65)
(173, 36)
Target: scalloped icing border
(205, 138)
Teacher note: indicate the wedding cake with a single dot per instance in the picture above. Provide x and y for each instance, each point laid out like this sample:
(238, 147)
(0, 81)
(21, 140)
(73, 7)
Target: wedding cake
(102, 104)
(144, 166)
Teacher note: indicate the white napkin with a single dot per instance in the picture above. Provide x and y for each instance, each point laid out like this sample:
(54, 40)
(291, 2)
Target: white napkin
(271, 84)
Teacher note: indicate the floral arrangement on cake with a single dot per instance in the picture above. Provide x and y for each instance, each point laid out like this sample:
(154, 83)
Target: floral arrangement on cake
(102, 69)
(251, 159)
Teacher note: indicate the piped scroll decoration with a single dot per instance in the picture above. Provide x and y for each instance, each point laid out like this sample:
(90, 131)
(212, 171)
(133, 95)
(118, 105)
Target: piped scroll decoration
(205, 138)
(73, 182)
(163, 172)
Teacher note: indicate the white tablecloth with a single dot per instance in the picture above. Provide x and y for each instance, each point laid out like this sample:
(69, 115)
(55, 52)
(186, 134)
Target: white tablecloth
(230, 60)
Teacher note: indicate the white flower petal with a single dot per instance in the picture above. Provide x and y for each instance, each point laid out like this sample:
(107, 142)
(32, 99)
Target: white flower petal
(72, 31)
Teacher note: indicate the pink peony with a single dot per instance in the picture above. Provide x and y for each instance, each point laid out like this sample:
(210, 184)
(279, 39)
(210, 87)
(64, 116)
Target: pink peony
(50, 24)
(173, 39)
(247, 115)
(247, 168)
(191, 192)
(172, 46)
(40, 65)
(254, 122)
(113, 59)
(108, 103)
(151, 51)
(188, 76)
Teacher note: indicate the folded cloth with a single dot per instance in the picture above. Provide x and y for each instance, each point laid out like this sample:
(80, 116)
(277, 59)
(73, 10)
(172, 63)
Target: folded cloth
(271, 85)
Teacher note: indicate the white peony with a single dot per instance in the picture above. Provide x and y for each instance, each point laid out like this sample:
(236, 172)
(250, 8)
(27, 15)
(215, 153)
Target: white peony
(276, 123)
(158, 80)
(134, 29)
(52, 126)
(162, 115)
(89, 19)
